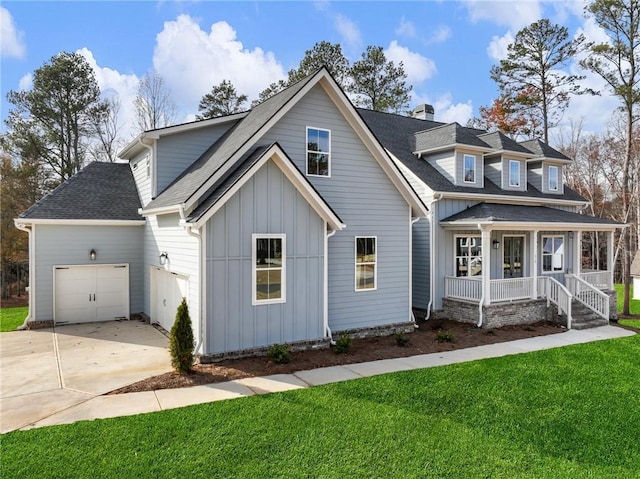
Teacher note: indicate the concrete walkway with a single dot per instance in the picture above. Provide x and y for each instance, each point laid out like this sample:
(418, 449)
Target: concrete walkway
(89, 407)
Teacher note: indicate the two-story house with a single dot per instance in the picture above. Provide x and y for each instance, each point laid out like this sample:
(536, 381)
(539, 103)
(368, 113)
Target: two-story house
(503, 235)
(284, 224)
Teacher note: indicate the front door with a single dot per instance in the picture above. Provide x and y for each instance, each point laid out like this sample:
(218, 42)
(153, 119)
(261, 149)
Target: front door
(513, 252)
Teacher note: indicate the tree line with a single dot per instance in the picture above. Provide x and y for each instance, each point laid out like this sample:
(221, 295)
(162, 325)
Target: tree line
(63, 121)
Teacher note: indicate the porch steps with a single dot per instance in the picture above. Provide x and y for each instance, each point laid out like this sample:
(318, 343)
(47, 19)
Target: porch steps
(584, 318)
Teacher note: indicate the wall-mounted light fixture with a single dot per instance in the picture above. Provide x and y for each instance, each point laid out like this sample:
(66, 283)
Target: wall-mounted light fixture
(92, 254)
(496, 244)
(163, 258)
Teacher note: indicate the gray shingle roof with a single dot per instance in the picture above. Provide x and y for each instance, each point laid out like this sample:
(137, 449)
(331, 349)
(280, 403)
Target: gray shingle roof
(495, 212)
(396, 133)
(188, 183)
(499, 141)
(542, 150)
(100, 191)
(445, 135)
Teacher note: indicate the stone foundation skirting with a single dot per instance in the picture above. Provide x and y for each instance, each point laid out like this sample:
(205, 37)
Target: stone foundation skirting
(263, 351)
(39, 324)
(613, 304)
(499, 314)
(374, 331)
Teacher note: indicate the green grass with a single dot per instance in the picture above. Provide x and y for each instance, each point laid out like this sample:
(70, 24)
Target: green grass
(571, 412)
(11, 318)
(634, 304)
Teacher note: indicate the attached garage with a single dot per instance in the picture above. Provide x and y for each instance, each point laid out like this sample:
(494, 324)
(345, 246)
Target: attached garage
(168, 289)
(89, 293)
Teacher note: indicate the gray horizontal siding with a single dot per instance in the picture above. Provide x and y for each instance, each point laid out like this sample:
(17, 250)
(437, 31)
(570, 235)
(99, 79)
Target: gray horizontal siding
(70, 245)
(143, 181)
(445, 163)
(493, 170)
(366, 200)
(267, 203)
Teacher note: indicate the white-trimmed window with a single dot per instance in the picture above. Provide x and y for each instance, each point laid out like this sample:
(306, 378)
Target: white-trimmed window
(269, 268)
(552, 254)
(469, 168)
(468, 250)
(366, 263)
(553, 178)
(514, 173)
(318, 152)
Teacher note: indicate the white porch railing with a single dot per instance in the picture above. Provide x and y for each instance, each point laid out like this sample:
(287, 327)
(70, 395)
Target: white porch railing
(469, 289)
(588, 295)
(599, 279)
(510, 289)
(556, 293)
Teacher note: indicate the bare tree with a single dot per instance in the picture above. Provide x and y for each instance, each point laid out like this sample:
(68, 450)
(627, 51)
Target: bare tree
(154, 105)
(617, 62)
(106, 130)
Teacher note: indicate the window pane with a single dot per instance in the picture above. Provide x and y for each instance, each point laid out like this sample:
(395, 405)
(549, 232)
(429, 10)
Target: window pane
(469, 169)
(323, 140)
(462, 266)
(262, 253)
(553, 177)
(275, 284)
(365, 276)
(546, 262)
(547, 245)
(313, 141)
(514, 173)
(262, 284)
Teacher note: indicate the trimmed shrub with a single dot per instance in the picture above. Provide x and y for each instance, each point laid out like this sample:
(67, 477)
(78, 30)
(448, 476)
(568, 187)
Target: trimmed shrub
(402, 339)
(280, 353)
(444, 336)
(181, 338)
(343, 344)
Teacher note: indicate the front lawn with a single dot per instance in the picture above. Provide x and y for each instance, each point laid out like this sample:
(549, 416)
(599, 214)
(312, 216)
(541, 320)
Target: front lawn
(634, 304)
(11, 318)
(563, 413)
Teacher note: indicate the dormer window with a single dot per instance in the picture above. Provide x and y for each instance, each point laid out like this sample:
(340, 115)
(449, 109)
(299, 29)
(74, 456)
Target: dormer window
(318, 152)
(553, 178)
(469, 169)
(514, 173)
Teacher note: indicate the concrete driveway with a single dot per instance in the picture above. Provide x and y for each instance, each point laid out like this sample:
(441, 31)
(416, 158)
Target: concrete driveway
(45, 371)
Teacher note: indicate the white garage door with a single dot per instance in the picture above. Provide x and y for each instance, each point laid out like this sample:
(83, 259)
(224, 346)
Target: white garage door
(87, 293)
(168, 290)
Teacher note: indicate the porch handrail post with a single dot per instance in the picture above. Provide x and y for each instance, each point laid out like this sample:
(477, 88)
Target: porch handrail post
(486, 265)
(534, 265)
(610, 265)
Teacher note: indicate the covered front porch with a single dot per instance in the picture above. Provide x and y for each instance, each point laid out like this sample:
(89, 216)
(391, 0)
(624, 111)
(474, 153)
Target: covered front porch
(506, 253)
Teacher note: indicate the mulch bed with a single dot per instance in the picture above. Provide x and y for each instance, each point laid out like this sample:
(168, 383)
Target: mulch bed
(422, 341)
(15, 301)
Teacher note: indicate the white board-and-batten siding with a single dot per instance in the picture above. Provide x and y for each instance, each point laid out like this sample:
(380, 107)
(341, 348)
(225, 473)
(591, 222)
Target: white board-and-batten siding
(71, 244)
(163, 233)
(266, 204)
(366, 200)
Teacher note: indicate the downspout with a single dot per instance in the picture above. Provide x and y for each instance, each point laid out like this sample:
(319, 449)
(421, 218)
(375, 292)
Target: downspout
(191, 231)
(327, 329)
(432, 236)
(412, 221)
(28, 230)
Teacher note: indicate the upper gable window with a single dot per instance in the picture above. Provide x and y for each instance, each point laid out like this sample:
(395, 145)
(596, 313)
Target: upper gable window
(514, 173)
(553, 178)
(469, 169)
(318, 152)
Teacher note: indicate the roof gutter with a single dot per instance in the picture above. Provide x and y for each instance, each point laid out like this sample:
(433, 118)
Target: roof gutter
(508, 198)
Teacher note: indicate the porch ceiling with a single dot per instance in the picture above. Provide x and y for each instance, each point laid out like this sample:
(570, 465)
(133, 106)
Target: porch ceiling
(501, 216)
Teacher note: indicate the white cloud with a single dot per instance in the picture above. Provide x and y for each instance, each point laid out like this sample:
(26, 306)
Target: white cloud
(417, 67)
(444, 108)
(11, 39)
(406, 28)
(112, 83)
(192, 60)
(497, 49)
(349, 32)
(512, 14)
(440, 34)
(26, 82)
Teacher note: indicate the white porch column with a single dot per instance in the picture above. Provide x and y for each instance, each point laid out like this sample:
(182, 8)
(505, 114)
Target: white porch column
(610, 250)
(577, 252)
(534, 263)
(486, 265)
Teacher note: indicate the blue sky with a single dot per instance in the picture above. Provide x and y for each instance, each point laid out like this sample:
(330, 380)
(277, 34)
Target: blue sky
(447, 47)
